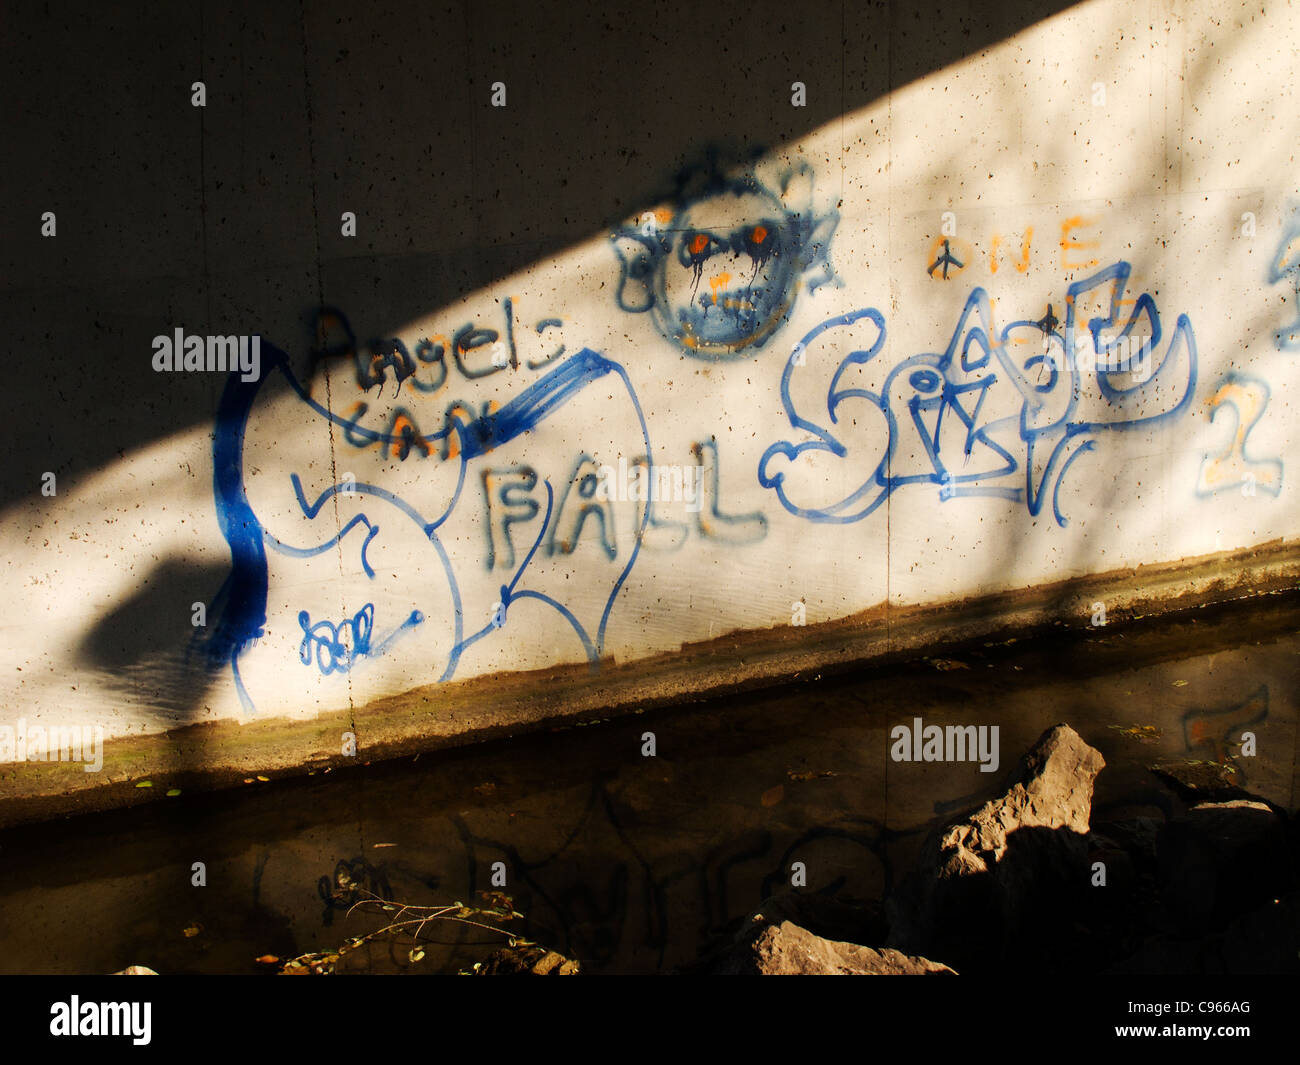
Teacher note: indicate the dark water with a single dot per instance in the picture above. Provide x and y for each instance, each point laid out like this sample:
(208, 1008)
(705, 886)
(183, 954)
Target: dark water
(635, 864)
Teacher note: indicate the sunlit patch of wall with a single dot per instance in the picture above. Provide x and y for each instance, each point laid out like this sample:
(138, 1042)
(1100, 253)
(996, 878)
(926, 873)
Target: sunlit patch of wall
(1022, 319)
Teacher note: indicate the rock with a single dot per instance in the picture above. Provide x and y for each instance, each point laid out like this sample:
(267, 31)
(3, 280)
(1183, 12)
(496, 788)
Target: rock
(785, 949)
(1221, 859)
(136, 970)
(1196, 782)
(822, 915)
(1123, 909)
(1234, 823)
(1136, 836)
(1009, 870)
(553, 962)
(527, 961)
(1053, 789)
(1120, 869)
(1264, 941)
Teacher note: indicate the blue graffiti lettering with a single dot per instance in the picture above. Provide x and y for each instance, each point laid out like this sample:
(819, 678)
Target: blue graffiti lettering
(337, 647)
(943, 401)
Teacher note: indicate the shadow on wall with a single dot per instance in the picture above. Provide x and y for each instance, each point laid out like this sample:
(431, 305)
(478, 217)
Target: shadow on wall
(143, 650)
(611, 100)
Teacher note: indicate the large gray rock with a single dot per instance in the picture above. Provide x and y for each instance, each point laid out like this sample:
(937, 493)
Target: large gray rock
(1015, 863)
(788, 950)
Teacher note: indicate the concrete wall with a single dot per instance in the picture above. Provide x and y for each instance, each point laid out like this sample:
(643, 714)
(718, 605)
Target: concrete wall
(865, 339)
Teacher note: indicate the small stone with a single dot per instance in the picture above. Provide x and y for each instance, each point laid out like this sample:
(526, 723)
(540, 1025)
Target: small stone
(788, 950)
(548, 961)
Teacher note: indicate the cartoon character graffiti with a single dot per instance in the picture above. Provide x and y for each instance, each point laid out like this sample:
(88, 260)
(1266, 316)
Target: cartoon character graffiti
(719, 267)
(956, 419)
(428, 473)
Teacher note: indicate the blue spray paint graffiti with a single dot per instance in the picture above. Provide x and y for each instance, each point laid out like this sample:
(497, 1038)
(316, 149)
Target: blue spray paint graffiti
(1286, 267)
(241, 605)
(1049, 405)
(753, 245)
(338, 647)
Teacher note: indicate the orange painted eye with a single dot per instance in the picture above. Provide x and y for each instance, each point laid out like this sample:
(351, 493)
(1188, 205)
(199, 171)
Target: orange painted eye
(759, 235)
(699, 243)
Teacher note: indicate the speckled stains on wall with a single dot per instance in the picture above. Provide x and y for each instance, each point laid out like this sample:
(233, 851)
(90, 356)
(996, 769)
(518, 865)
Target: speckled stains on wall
(977, 329)
(454, 520)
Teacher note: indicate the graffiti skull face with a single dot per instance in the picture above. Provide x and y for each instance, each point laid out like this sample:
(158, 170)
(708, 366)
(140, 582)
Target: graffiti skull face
(730, 273)
(719, 270)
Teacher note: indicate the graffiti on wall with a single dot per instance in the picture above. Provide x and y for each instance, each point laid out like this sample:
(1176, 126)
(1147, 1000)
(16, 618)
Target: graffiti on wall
(720, 266)
(996, 413)
(1243, 399)
(242, 604)
(947, 255)
(1285, 269)
(516, 474)
(433, 461)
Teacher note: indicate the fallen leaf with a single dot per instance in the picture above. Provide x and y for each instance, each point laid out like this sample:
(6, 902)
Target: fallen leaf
(377, 845)
(145, 784)
(193, 931)
(808, 775)
(266, 959)
(773, 795)
(1180, 684)
(173, 792)
(947, 664)
(1141, 733)
(416, 954)
(262, 778)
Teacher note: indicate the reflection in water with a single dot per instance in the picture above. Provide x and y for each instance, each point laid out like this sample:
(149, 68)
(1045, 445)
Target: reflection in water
(634, 864)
